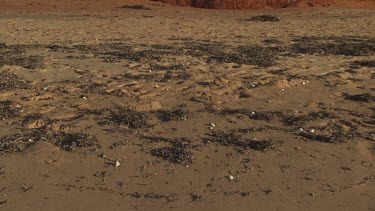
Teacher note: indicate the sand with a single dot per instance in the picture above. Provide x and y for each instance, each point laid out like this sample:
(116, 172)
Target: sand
(187, 109)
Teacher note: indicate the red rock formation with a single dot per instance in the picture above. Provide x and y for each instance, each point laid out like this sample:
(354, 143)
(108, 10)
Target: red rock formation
(232, 4)
(259, 4)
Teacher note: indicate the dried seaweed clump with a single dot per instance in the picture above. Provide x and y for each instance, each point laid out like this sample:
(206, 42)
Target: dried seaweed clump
(347, 46)
(71, 141)
(131, 118)
(17, 142)
(178, 152)
(169, 197)
(264, 18)
(249, 55)
(231, 139)
(364, 63)
(136, 7)
(300, 119)
(173, 115)
(10, 81)
(366, 98)
(8, 110)
(256, 115)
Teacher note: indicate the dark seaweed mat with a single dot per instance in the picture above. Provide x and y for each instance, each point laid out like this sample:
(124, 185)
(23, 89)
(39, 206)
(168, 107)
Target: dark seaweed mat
(131, 118)
(64, 140)
(71, 141)
(10, 81)
(367, 98)
(136, 7)
(299, 119)
(15, 55)
(334, 137)
(250, 55)
(347, 46)
(331, 133)
(364, 63)
(94, 88)
(256, 115)
(15, 143)
(264, 18)
(178, 152)
(231, 139)
(169, 197)
(8, 110)
(173, 115)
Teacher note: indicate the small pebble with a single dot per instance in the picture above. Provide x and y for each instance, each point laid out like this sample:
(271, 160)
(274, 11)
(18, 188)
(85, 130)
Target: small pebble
(117, 163)
(312, 131)
(213, 125)
(231, 177)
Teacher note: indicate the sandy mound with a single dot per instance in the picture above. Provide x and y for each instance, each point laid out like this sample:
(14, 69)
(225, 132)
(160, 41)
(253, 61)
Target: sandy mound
(259, 4)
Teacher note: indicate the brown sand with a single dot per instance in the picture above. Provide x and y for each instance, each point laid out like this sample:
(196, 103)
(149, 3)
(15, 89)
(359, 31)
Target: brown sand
(82, 90)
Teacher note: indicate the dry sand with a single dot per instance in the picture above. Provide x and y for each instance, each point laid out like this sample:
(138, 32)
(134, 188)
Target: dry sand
(180, 108)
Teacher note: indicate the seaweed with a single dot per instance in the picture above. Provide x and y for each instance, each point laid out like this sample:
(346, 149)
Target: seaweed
(15, 55)
(256, 115)
(124, 116)
(173, 115)
(94, 88)
(364, 63)
(250, 55)
(231, 139)
(11, 81)
(9, 110)
(71, 141)
(17, 142)
(366, 98)
(136, 7)
(299, 119)
(178, 152)
(264, 18)
(168, 198)
(347, 46)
